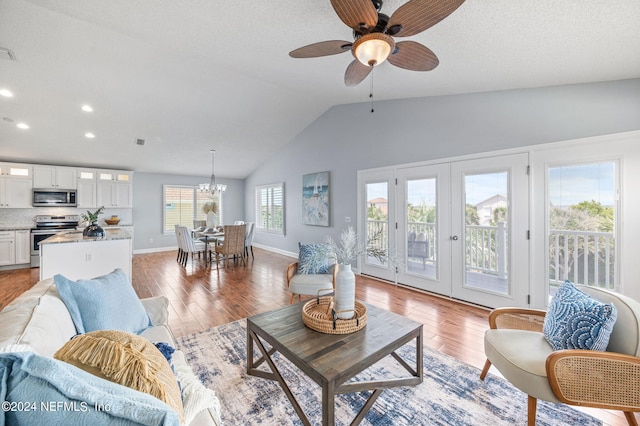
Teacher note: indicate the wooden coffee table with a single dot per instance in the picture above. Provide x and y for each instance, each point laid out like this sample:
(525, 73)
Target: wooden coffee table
(329, 359)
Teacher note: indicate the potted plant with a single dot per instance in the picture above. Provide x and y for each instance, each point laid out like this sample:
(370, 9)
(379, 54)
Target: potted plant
(93, 229)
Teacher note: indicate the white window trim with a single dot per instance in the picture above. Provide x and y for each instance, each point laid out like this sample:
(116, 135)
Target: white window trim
(258, 205)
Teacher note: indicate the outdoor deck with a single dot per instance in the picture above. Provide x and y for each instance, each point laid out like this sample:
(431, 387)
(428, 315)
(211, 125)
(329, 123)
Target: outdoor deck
(478, 280)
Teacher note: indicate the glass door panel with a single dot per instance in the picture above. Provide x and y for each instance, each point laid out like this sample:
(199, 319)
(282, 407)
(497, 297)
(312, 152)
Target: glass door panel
(423, 216)
(581, 205)
(485, 231)
(490, 224)
(376, 215)
(421, 228)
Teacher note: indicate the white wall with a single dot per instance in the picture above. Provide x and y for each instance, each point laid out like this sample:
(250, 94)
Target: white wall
(147, 206)
(348, 138)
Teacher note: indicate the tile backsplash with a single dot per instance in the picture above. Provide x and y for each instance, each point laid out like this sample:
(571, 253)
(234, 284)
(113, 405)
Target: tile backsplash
(18, 218)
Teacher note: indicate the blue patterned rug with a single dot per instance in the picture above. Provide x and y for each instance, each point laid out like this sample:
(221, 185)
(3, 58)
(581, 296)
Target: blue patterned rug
(451, 394)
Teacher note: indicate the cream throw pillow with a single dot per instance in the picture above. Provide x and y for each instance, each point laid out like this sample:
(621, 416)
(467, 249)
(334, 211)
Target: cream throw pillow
(126, 359)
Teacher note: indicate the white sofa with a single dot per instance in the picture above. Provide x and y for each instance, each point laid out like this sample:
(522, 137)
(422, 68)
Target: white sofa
(39, 321)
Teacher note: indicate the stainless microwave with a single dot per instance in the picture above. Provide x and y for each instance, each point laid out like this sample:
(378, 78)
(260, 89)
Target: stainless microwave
(45, 197)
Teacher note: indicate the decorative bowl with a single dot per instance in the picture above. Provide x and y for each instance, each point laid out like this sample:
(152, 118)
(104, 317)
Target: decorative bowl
(112, 221)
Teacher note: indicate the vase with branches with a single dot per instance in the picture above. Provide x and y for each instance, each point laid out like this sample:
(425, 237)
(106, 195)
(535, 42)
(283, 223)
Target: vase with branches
(343, 253)
(210, 208)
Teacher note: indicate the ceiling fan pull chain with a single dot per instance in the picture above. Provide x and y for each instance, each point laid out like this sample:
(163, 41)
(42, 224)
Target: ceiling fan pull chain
(371, 89)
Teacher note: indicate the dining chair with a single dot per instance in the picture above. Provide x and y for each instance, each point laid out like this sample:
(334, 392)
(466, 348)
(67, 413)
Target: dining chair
(179, 240)
(248, 239)
(189, 245)
(232, 244)
(239, 222)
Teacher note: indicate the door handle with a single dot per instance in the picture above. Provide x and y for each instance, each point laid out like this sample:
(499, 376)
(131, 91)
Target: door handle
(454, 237)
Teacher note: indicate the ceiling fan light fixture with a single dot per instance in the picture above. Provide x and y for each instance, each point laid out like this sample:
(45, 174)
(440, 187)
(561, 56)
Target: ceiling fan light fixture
(373, 49)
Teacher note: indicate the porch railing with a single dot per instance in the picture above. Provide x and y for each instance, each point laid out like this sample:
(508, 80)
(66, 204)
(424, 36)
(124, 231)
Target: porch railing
(580, 256)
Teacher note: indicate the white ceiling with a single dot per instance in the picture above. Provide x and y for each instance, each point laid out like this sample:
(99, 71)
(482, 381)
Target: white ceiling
(191, 75)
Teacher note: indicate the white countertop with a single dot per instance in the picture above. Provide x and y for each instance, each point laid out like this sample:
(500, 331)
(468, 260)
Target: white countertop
(77, 237)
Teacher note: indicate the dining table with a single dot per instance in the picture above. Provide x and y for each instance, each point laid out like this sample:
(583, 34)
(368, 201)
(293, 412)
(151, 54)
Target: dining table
(215, 236)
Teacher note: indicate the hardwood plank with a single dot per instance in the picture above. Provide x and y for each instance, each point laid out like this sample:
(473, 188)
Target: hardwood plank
(202, 297)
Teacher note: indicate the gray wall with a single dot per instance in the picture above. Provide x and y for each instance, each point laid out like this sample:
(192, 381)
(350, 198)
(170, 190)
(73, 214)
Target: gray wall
(147, 206)
(348, 138)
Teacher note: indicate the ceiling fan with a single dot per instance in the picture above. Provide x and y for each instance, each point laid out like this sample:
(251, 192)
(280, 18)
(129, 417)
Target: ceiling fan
(373, 34)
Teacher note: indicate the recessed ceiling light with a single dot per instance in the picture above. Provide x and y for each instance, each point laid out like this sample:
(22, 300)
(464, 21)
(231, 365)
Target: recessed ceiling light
(89, 135)
(6, 93)
(22, 125)
(87, 108)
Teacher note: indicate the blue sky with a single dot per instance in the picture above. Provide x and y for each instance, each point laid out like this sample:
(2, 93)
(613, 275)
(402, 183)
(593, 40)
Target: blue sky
(572, 184)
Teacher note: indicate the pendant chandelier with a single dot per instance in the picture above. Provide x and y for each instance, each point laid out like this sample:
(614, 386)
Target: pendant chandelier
(212, 187)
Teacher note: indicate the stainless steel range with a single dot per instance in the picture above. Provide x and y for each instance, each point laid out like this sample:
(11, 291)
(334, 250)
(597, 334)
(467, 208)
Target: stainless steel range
(47, 226)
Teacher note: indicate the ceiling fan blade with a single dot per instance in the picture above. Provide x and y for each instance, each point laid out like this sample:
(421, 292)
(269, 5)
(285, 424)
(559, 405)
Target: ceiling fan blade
(416, 16)
(323, 48)
(356, 72)
(411, 55)
(356, 13)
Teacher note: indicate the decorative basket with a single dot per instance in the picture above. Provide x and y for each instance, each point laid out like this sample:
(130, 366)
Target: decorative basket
(112, 221)
(318, 314)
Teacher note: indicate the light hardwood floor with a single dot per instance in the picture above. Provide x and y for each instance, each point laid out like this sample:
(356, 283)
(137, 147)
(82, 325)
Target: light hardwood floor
(202, 297)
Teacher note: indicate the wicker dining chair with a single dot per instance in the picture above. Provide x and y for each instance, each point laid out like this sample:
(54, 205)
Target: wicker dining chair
(231, 245)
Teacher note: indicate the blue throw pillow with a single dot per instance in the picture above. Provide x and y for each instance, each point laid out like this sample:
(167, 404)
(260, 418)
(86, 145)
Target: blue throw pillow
(575, 320)
(313, 259)
(108, 302)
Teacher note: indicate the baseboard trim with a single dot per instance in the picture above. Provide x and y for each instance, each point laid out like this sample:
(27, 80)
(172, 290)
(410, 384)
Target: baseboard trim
(276, 250)
(155, 250)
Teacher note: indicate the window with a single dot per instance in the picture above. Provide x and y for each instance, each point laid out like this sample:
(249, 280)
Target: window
(183, 205)
(581, 220)
(270, 208)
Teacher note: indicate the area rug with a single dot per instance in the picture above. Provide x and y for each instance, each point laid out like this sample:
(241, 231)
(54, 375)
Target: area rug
(451, 394)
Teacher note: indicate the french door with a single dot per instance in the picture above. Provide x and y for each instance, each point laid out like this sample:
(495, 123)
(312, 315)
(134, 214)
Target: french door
(457, 229)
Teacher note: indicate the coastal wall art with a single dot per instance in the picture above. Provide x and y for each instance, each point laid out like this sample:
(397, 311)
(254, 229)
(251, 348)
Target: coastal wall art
(315, 199)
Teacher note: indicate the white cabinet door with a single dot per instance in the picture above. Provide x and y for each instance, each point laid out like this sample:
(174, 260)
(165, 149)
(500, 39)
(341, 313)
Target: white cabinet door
(124, 194)
(86, 194)
(17, 193)
(104, 194)
(7, 248)
(66, 177)
(54, 177)
(44, 177)
(23, 246)
(114, 194)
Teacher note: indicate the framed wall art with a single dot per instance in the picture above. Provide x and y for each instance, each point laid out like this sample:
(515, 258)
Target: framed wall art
(315, 199)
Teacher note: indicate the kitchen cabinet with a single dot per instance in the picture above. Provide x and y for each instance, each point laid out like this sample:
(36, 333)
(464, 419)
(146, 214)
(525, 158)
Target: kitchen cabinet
(15, 192)
(15, 247)
(114, 189)
(54, 177)
(23, 246)
(15, 186)
(78, 258)
(7, 248)
(87, 192)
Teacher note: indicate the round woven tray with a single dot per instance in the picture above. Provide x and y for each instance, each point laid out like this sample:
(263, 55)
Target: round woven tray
(318, 314)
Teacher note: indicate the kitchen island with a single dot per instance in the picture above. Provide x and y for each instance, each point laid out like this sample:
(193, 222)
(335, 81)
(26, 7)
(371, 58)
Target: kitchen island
(78, 257)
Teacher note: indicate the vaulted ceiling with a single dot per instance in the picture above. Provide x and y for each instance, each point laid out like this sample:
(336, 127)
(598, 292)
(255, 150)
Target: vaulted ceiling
(191, 75)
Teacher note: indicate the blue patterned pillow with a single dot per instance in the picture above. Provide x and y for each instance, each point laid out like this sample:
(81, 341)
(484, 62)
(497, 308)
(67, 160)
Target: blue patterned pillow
(575, 320)
(313, 259)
